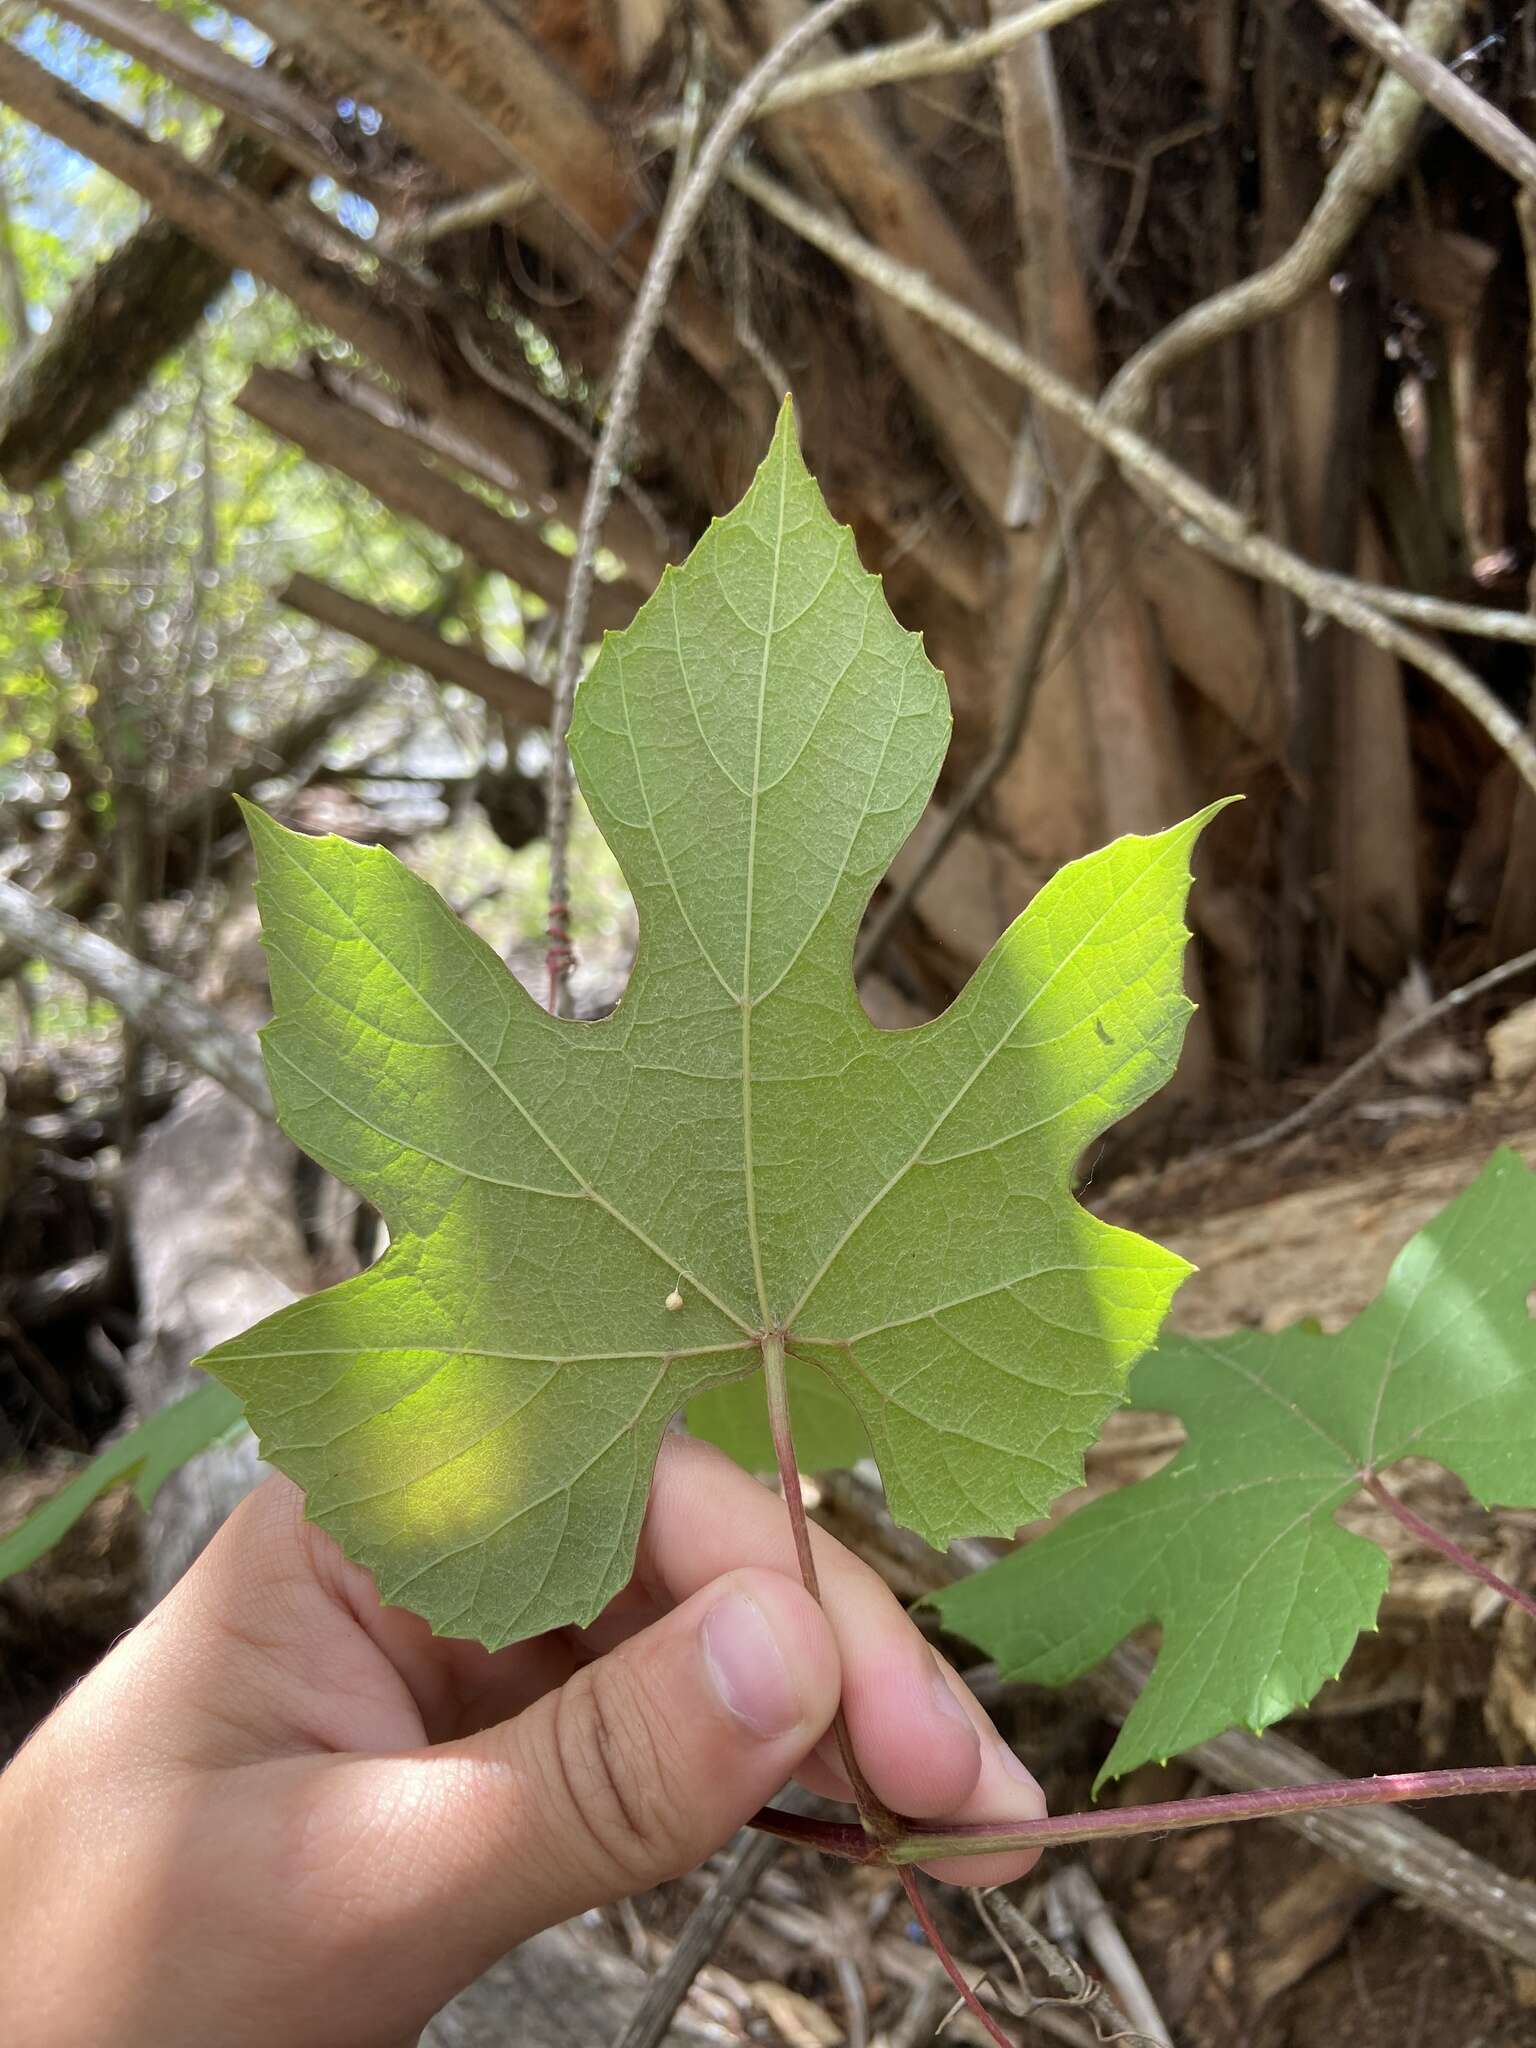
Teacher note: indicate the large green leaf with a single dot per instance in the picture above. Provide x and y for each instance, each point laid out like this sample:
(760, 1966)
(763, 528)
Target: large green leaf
(477, 1417)
(1233, 1546)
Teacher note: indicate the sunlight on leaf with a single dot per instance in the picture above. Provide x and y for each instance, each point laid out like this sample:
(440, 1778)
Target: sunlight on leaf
(477, 1417)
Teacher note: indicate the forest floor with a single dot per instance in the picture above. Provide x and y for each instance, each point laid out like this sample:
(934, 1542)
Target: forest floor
(1248, 1937)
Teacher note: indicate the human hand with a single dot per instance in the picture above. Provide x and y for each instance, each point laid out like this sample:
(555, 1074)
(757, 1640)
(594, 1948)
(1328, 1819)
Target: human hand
(280, 1813)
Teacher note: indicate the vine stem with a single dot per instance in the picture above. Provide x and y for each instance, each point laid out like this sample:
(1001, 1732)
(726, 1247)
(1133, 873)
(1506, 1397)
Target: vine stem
(880, 1831)
(1436, 1539)
(897, 1843)
(924, 1840)
(952, 1969)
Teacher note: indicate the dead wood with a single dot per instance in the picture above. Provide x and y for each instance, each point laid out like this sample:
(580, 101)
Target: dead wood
(216, 1246)
(152, 1000)
(303, 410)
(535, 460)
(296, 125)
(504, 76)
(123, 318)
(410, 341)
(563, 1989)
(406, 641)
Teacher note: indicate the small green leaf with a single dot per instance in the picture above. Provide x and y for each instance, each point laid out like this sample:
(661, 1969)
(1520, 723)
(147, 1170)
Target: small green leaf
(147, 1456)
(476, 1418)
(1233, 1546)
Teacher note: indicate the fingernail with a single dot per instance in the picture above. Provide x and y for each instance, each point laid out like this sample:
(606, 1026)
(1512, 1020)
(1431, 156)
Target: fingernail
(945, 1703)
(1013, 1764)
(747, 1667)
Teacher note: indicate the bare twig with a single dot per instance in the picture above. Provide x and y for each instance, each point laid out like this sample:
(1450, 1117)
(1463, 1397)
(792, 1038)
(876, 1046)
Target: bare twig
(1013, 1925)
(1341, 1085)
(522, 393)
(145, 996)
(1365, 170)
(261, 101)
(644, 320)
(1075, 1884)
(467, 210)
(1493, 132)
(1198, 514)
(1438, 614)
(930, 55)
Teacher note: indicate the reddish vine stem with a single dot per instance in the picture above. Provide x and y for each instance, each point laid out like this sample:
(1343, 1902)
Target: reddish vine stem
(1436, 1539)
(923, 1840)
(952, 1970)
(889, 1839)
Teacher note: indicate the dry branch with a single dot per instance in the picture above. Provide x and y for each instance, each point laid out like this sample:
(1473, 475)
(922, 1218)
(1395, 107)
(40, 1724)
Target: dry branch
(440, 129)
(931, 55)
(406, 340)
(407, 641)
(1201, 517)
(529, 460)
(1013, 1925)
(305, 411)
(1076, 1887)
(1340, 1087)
(1366, 169)
(471, 56)
(1493, 132)
(469, 210)
(146, 997)
(123, 317)
(260, 102)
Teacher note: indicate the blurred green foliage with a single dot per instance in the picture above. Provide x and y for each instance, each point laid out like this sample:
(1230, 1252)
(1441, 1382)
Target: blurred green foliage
(141, 650)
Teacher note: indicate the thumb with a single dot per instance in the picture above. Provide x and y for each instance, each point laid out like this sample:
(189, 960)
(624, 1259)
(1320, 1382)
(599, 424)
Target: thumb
(634, 1771)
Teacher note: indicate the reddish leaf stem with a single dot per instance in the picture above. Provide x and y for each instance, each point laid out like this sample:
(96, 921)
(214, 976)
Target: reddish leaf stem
(922, 1840)
(879, 1823)
(1436, 1539)
(952, 1970)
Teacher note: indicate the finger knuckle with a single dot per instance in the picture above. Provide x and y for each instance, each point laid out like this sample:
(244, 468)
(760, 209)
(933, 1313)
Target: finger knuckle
(619, 1777)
